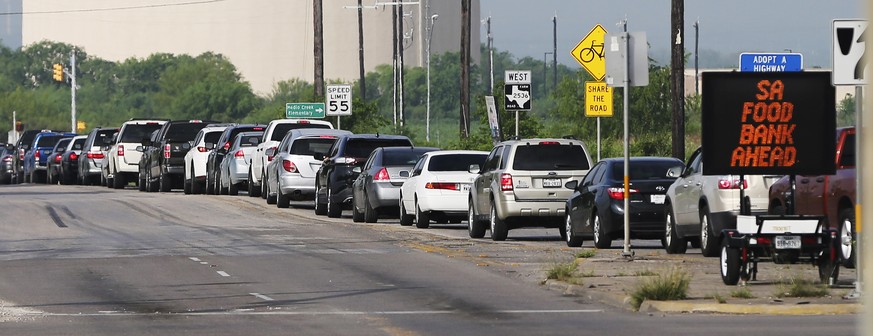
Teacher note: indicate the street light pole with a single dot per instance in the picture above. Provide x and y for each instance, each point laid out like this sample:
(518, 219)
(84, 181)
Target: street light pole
(696, 68)
(433, 19)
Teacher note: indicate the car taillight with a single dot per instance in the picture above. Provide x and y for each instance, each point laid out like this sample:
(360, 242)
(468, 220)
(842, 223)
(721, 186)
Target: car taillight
(441, 185)
(226, 145)
(167, 151)
(729, 182)
(239, 153)
(57, 158)
(505, 182)
(120, 150)
(549, 143)
(74, 156)
(382, 175)
(201, 149)
(7, 158)
(94, 155)
(618, 193)
(21, 154)
(289, 166)
(303, 122)
(270, 157)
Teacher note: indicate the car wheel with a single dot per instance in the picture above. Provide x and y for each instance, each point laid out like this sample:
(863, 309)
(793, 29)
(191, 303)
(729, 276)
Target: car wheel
(196, 188)
(141, 184)
(846, 236)
(152, 185)
(601, 237)
(119, 182)
(209, 185)
(370, 214)
(282, 200)
(264, 191)
(186, 187)
(499, 230)
(165, 183)
(271, 199)
(730, 264)
(708, 239)
(220, 185)
(253, 192)
(673, 244)
(110, 183)
(829, 265)
(475, 228)
(320, 207)
(334, 210)
(422, 218)
(232, 189)
(405, 219)
(357, 215)
(571, 238)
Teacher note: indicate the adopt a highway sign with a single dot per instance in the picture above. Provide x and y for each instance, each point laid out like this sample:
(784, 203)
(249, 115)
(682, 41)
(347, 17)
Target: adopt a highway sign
(771, 62)
(304, 110)
(339, 100)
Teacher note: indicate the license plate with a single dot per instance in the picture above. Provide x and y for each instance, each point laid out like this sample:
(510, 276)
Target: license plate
(465, 188)
(658, 199)
(787, 242)
(551, 183)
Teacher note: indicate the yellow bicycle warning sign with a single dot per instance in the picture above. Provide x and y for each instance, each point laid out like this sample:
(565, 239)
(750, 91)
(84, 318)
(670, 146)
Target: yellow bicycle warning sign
(589, 53)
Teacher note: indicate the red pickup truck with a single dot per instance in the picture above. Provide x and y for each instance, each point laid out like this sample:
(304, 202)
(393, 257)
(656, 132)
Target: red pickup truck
(830, 195)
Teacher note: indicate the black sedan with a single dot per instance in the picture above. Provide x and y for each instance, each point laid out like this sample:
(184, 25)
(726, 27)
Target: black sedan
(7, 151)
(596, 208)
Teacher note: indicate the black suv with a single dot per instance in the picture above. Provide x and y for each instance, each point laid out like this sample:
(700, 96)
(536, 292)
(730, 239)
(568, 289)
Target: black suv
(162, 166)
(333, 182)
(217, 153)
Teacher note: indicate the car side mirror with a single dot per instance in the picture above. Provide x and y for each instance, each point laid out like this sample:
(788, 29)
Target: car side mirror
(357, 170)
(146, 142)
(138, 148)
(210, 146)
(572, 184)
(404, 173)
(473, 169)
(319, 156)
(675, 171)
(270, 152)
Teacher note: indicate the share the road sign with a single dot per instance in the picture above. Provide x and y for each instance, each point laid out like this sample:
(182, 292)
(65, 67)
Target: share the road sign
(304, 110)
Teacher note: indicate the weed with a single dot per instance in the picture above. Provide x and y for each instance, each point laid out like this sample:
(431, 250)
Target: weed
(742, 293)
(587, 274)
(797, 287)
(561, 271)
(586, 253)
(646, 272)
(670, 286)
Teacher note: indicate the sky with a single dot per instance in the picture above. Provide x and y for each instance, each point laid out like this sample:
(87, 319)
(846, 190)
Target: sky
(727, 28)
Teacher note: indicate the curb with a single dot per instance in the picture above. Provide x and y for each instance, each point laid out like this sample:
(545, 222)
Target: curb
(651, 306)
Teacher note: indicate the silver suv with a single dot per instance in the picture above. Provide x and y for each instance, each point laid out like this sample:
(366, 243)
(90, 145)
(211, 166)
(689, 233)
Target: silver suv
(699, 207)
(521, 185)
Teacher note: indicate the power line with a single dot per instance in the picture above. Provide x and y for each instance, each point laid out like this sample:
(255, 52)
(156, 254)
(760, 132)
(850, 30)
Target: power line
(113, 8)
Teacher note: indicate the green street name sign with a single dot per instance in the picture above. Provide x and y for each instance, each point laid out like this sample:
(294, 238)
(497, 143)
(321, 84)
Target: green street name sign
(304, 110)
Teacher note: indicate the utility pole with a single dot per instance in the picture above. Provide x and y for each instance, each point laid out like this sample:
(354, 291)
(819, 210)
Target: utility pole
(465, 70)
(400, 51)
(394, 60)
(363, 83)
(696, 67)
(677, 78)
(318, 49)
(555, 52)
(490, 57)
(73, 89)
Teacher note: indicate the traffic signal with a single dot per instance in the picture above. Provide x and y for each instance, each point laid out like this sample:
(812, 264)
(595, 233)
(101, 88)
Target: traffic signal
(58, 73)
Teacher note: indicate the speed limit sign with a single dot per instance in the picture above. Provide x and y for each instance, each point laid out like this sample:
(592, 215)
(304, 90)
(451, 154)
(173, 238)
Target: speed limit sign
(339, 100)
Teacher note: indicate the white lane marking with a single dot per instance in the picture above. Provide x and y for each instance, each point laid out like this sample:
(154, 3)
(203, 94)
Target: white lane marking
(222, 273)
(317, 313)
(204, 263)
(262, 296)
(194, 258)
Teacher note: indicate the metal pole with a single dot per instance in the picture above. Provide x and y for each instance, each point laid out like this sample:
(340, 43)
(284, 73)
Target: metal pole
(429, 37)
(400, 64)
(696, 68)
(361, 70)
(598, 139)
(394, 62)
(627, 251)
(554, 52)
(14, 129)
(73, 88)
(860, 221)
(490, 57)
(338, 123)
(516, 123)
(545, 82)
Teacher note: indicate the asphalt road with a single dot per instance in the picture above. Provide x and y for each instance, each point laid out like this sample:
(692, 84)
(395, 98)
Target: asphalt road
(78, 260)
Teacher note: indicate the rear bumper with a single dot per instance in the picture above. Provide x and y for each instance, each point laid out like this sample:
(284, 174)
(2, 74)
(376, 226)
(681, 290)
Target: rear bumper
(291, 184)
(238, 171)
(439, 201)
(384, 195)
(531, 213)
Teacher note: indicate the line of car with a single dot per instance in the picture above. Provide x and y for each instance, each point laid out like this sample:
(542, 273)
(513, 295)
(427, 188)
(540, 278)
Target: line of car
(520, 183)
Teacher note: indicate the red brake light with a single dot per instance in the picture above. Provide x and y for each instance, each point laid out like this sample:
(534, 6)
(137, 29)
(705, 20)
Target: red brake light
(729, 182)
(7, 158)
(549, 143)
(201, 149)
(505, 182)
(94, 155)
(167, 151)
(618, 193)
(382, 175)
(289, 166)
(120, 150)
(74, 156)
(57, 158)
(258, 129)
(303, 122)
(21, 154)
(226, 145)
(195, 121)
(270, 157)
(441, 185)
(239, 153)
(327, 137)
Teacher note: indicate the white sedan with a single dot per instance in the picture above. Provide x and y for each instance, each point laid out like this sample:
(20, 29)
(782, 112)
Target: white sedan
(438, 187)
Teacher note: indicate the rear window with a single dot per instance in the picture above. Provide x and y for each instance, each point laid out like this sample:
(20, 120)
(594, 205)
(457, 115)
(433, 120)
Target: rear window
(281, 129)
(237, 130)
(77, 145)
(401, 157)
(455, 162)
(62, 144)
(250, 140)
(311, 146)
(136, 132)
(361, 148)
(102, 137)
(183, 131)
(550, 157)
(48, 140)
(643, 170)
(847, 153)
(212, 137)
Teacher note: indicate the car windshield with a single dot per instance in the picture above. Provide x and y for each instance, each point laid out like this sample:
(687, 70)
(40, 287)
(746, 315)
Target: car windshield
(48, 140)
(644, 170)
(361, 148)
(405, 157)
(281, 129)
(455, 162)
(550, 157)
(182, 132)
(136, 132)
(311, 146)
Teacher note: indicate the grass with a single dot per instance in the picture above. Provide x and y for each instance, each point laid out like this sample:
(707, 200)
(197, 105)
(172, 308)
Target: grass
(672, 285)
(717, 297)
(586, 254)
(646, 272)
(798, 288)
(561, 271)
(742, 293)
(587, 274)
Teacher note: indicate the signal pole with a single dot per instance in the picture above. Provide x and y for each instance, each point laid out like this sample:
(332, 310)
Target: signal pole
(73, 89)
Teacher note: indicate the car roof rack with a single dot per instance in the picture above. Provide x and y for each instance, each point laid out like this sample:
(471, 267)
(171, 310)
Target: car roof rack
(514, 137)
(138, 119)
(569, 137)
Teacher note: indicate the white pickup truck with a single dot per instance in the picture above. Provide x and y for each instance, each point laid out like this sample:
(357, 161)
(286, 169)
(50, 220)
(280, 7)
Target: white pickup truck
(276, 130)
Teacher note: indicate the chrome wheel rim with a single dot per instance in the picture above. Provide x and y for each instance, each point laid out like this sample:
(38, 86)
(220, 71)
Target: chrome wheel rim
(596, 226)
(704, 232)
(470, 218)
(568, 227)
(493, 218)
(846, 238)
(724, 266)
(668, 230)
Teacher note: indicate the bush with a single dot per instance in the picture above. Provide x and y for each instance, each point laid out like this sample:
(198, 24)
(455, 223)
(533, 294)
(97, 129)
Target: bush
(797, 287)
(670, 286)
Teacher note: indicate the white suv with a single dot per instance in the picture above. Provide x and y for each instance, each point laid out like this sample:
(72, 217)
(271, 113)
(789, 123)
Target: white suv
(195, 159)
(123, 158)
(275, 132)
(699, 207)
